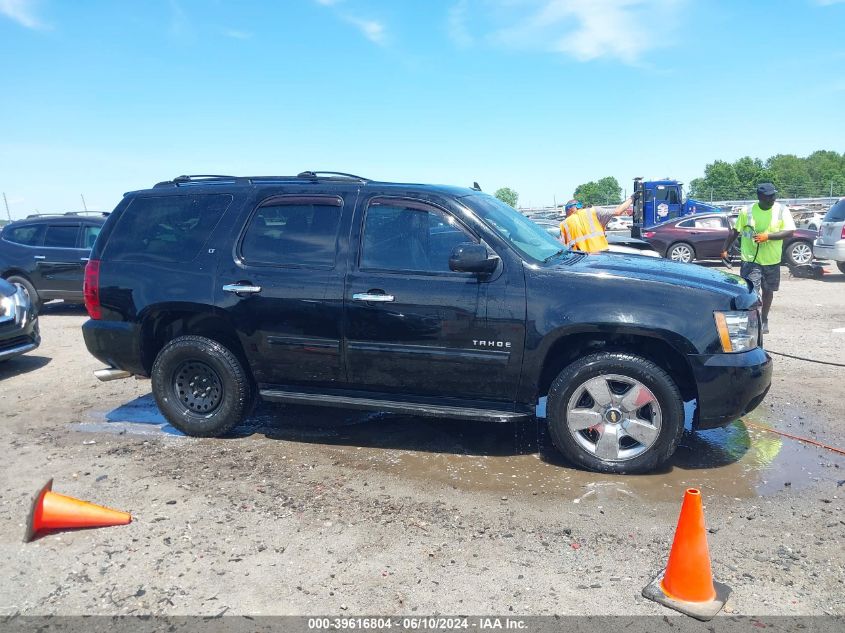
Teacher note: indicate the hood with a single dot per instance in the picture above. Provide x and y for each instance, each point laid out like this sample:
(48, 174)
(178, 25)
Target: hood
(662, 271)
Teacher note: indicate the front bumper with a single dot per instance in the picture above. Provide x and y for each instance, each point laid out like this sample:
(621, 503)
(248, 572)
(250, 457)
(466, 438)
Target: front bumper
(729, 385)
(15, 341)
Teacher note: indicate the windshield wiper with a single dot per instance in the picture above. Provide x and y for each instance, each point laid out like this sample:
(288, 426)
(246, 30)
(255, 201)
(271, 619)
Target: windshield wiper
(551, 257)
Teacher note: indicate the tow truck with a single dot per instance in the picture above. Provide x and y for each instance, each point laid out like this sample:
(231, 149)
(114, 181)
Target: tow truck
(657, 201)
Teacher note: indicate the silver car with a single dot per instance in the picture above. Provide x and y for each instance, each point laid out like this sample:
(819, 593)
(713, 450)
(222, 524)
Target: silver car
(830, 244)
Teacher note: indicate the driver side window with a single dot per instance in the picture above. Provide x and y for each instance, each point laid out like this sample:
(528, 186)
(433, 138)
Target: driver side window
(408, 236)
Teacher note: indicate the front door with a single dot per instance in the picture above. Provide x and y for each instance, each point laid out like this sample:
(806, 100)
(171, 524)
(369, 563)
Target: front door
(414, 327)
(283, 288)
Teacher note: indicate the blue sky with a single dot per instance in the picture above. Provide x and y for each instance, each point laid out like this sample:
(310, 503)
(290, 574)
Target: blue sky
(102, 97)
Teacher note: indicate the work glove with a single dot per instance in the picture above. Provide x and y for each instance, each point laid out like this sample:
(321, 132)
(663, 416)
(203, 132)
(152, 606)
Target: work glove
(761, 237)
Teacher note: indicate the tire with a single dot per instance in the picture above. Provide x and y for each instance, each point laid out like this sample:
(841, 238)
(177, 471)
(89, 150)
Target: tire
(29, 289)
(658, 423)
(841, 267)
(221, 396)
(799, 253)
(681, 252)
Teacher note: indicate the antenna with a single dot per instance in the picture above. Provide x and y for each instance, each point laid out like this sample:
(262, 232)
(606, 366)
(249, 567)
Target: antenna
(84, 206)
(9, 213)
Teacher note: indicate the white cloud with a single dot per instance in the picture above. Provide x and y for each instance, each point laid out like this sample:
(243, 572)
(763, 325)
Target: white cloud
(457, 24)
(582, 29)
(371, 29)
(236, 34)
(22, 12)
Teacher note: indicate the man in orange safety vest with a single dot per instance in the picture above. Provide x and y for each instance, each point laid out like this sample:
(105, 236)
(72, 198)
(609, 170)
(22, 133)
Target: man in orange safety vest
(583, 229)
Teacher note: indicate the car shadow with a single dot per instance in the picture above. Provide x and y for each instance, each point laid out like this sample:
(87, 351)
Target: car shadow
(61, 308)
(22, 365)
(367, 429)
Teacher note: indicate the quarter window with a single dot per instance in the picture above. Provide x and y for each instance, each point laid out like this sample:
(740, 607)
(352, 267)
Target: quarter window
(409, 237)
(166, 228)
(61, 236)
(295, 231)
(27, 234)
(89, 235)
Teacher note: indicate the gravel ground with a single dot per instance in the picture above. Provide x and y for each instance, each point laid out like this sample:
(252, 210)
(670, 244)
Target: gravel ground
(337, 512)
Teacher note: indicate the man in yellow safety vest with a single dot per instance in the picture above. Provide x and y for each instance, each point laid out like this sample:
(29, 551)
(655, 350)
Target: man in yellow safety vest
(583, 229)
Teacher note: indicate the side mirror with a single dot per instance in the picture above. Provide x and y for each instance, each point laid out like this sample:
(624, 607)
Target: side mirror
(472, 258)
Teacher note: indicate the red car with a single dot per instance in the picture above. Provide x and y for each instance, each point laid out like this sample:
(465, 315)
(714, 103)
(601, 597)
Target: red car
(701, 236)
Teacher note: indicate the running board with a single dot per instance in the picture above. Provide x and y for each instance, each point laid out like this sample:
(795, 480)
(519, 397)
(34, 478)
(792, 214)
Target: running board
(392, 406)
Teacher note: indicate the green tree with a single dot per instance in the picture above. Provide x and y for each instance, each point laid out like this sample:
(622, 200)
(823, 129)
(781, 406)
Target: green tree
(604, 191)
(507, 195)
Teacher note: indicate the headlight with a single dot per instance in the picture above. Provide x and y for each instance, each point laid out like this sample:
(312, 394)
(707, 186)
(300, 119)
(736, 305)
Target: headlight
(7, 308)
(739, 331)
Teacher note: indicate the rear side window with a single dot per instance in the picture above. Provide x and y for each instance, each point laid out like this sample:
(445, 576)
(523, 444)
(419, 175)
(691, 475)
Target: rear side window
(27, 234)
(61, 236)
(293, 231)
(836, 213)
(165, 228)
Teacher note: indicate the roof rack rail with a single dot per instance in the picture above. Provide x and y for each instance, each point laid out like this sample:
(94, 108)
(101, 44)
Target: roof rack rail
(198, 179)
(59, 214)
(315, 175)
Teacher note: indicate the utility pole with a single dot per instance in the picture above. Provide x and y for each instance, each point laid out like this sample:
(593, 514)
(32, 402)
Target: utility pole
(9, 213)
(84, 206)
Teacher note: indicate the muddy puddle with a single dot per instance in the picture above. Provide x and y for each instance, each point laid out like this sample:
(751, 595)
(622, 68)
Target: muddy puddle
(741, 460)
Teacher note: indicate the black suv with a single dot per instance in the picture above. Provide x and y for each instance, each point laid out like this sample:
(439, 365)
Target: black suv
(335, 290)
(46, 254)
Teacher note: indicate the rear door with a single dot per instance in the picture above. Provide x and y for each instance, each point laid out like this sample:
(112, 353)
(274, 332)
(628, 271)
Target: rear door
(282, 286)
(60, 262)
(415, 327)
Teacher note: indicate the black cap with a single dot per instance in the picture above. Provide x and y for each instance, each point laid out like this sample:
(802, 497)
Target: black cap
(766, 189)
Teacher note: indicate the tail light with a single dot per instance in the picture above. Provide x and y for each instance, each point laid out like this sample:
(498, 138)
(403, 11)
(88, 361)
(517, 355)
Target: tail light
(649, 234)
(91, 289)
(842, 236)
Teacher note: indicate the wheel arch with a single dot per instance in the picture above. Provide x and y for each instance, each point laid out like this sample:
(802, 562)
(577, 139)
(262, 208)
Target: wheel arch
(161, 324)
(669, 355)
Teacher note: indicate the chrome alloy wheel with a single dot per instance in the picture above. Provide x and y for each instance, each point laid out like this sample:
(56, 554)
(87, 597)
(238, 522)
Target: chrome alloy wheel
(801, 253)
(681, 253)
(614, 417)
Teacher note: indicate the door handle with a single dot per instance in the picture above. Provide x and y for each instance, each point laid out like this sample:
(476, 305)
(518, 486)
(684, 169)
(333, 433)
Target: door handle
(373, 297)
(39, 257)
(241, 289)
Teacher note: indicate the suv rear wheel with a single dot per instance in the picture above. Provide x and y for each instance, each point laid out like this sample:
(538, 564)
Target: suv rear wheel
(200, 386)
(615, 413)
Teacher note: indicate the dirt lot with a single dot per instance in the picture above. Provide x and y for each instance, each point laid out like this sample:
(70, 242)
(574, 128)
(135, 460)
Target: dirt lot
(337, 512)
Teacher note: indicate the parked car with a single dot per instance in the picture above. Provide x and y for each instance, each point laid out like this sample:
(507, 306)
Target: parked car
(334, 290)
(811, 222)
(18, 324)
(830, 243)
(46, 254)
(620, 223)
(620, 244)
(702, 236)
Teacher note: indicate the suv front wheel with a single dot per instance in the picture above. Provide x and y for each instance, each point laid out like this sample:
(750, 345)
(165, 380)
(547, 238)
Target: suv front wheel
(615, 413)
(200, 386)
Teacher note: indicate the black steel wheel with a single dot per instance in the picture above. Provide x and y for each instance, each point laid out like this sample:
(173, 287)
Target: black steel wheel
(200, 386)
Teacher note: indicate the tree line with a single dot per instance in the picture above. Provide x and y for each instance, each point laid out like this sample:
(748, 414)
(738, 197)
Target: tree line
(820, 174)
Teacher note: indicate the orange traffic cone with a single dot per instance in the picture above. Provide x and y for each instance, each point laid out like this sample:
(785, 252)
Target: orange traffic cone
(687, 584)
(51, 511)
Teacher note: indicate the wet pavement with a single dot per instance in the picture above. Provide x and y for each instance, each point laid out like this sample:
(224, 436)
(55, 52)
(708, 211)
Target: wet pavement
(737, 461)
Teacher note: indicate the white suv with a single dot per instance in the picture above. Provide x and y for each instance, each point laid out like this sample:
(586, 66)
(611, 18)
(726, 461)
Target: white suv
(830, 244)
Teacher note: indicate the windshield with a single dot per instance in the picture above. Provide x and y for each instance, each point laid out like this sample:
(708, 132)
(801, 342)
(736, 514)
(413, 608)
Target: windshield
(528, 238)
